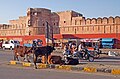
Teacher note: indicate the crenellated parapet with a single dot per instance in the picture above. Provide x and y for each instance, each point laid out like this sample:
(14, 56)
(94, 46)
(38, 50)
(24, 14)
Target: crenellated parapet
(82, 25)
(96, 21)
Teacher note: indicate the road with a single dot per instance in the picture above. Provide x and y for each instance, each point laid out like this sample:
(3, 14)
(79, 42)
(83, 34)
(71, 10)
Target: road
(18, 72)
(7, 55)
(104, 59)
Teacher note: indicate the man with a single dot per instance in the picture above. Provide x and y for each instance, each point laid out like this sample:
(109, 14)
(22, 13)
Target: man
(66, 50)
(37, 43)
(80, 47)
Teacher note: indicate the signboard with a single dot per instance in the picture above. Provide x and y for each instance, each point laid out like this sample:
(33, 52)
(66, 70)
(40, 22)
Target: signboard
(48, 33)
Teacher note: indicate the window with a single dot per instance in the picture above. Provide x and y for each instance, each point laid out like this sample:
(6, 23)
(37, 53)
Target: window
(88, 28)
(110, 29)
(75, 22)
(80, 22)
(6, 42)
(68, 28)
(54, 23)
(16, 26)
(93, 28)
(82, 28)
(43, 24)
(98, 28)
(29, 22)
(104, 29)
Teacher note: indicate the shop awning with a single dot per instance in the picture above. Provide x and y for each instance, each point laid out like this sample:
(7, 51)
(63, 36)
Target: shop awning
(90, 40)
(107, 39)
(61, 40)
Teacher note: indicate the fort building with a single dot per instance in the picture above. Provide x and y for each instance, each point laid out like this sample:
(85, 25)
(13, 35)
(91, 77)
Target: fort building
(64, 22)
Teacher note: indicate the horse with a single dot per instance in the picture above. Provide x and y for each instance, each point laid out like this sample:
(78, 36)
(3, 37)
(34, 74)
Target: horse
(42, 51)
(22, 51)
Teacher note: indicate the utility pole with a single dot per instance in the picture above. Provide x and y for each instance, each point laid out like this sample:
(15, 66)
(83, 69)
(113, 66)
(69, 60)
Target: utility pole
(48, 33)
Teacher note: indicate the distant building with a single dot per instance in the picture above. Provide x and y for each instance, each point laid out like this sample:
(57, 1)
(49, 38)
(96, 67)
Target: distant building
(64, 22)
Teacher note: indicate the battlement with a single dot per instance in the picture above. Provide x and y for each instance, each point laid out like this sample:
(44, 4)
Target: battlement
(95, 21)
(37, 9)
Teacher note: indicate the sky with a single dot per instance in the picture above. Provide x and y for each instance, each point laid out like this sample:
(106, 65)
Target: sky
(12, 9)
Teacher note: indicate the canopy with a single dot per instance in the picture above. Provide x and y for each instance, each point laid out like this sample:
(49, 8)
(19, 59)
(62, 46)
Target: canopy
(107, 39)
(90, 40)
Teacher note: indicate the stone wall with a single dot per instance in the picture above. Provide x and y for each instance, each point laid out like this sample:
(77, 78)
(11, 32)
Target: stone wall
(15, 28)
(80, 25)
(64, 22)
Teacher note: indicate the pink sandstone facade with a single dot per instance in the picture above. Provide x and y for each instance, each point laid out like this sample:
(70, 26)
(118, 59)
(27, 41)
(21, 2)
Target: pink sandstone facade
(64, 22)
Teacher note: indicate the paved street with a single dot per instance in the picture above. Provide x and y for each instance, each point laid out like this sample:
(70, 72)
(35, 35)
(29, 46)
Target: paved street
(7, 55)
(104, 59)
(16, 72)
(19, 72)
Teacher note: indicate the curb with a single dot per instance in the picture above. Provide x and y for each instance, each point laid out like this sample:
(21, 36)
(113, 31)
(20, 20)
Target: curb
(68, 67)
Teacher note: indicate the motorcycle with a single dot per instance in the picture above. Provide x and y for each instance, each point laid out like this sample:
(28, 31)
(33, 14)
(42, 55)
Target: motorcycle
(84, 54)
(97, 53)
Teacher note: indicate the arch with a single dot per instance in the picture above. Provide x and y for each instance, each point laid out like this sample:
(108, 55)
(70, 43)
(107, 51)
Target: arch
(117, 20)
(105, 20)
(83, 21)
(93, 21)
(110, 20)
(99, 20)
(88, 21)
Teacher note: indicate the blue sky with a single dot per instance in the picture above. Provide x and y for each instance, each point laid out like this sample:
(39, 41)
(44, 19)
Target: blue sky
(12, 9)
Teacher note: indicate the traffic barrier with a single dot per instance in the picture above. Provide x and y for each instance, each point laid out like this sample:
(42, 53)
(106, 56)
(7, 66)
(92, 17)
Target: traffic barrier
(68, 67)
(116, 71)
(13, 62)
(42, 66)
(63, 67)
(26, 64)
(90, 69)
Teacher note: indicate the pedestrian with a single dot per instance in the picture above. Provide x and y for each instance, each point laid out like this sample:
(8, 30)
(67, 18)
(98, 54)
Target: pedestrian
(73, 48)
(80, 47)
(66, 50)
